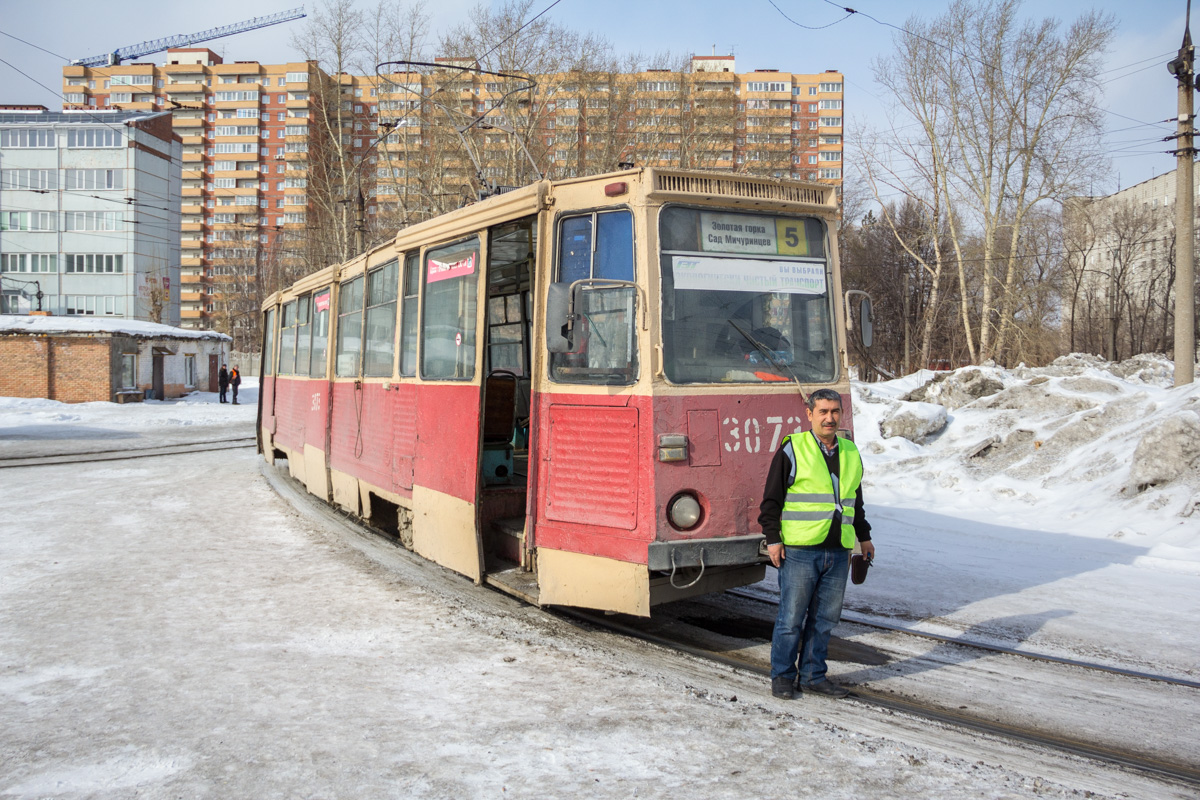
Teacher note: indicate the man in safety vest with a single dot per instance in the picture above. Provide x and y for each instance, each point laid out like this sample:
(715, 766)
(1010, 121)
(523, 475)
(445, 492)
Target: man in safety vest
(811, 515)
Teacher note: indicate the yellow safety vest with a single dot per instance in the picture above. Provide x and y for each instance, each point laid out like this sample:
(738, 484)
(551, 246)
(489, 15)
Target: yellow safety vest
(811, 502)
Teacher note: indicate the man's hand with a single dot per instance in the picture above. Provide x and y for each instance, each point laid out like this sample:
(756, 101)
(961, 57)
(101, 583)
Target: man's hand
(868, 549)
(776, 554)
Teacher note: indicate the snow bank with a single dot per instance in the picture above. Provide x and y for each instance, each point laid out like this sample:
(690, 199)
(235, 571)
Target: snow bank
(12, 323)
(198, 408)
(1081, 446)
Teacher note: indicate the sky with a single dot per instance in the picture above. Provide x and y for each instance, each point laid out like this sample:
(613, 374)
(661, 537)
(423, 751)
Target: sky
(1139, 92)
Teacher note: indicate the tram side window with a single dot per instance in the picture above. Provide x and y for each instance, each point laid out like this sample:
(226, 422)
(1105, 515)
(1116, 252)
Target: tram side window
(606, 254)
(381, 320)
(287, 339)
(349, 329)
(269, 341)
(303, 333)
(320, 334)
(408, 315)
(449, 318)
(599, 246)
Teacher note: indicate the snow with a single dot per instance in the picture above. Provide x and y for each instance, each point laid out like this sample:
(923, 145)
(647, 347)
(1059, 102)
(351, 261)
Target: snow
(1056, 514)
(173, 627)
(13, 323)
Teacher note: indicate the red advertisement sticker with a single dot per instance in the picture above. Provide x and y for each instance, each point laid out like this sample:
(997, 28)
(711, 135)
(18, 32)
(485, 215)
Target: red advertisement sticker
(444, 270)
(321, 301)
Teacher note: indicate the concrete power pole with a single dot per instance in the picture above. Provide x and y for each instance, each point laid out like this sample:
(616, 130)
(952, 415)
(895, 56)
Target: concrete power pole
(1183, 68)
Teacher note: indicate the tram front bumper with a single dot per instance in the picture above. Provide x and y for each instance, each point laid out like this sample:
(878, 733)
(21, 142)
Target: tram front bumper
(725, 551)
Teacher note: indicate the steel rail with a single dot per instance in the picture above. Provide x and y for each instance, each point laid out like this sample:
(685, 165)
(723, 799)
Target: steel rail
(55, 459)
(994, 648)
(1158, 768)
(1187, 775)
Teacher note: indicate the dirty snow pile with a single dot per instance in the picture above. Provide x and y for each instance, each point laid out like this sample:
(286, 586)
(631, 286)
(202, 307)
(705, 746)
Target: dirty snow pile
(1082, 446)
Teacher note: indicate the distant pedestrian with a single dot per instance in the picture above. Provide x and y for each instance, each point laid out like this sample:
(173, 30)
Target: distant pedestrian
(235, 380)
(223, 382)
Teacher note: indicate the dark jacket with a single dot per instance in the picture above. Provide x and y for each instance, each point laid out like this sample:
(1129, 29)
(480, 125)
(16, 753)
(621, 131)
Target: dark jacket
(223, 378)
(236, 378)
(779, 477)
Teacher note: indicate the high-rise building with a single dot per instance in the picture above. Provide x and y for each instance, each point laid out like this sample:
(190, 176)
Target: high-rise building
(276, 156)
(89, 213)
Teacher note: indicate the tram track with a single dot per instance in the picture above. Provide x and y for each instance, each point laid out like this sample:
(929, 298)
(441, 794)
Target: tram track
(859, 619)
(127, 453)
(672, 637)
(1162, 769)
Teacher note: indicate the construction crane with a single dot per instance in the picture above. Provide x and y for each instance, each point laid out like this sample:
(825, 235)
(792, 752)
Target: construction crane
(185, 39)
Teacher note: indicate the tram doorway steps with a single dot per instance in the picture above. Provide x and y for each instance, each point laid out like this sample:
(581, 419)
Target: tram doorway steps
(516, 581)
(507, 541)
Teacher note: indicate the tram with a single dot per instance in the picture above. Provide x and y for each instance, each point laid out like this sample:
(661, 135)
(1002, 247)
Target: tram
(571, 391)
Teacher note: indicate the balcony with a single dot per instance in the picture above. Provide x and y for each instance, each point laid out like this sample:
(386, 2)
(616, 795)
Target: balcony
(191, 226)
(191, 260)
(192, 297)
(191, 208)
(193, 158)
(189, 313)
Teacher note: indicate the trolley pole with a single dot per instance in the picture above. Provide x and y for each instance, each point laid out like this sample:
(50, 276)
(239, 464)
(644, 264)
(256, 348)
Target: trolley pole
(1183, 68)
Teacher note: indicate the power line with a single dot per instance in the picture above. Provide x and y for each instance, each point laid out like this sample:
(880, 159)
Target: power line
(810, 27)
(518, 30)
(905, 31)
(36, 47)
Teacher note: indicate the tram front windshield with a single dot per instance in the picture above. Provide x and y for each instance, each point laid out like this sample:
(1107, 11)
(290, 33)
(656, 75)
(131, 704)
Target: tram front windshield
(746, 298)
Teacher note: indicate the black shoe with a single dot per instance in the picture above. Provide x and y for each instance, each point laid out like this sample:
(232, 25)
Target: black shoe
(236, 403)
(827, 688)
(783, 687)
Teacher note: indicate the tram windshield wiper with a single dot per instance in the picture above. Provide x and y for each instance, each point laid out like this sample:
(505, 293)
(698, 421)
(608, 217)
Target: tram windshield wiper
(762, 348)
(772, 359)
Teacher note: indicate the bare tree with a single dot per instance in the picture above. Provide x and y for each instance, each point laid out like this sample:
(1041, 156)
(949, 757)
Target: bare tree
(1008, 112)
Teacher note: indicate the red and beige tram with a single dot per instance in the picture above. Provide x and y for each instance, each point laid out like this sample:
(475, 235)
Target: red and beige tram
(571, 391)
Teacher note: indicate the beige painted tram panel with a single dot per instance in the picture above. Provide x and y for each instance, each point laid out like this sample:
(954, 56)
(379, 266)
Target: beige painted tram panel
(583, 581)
(444, 531)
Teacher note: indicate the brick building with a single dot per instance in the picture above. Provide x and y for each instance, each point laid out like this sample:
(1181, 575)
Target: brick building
(81, 359)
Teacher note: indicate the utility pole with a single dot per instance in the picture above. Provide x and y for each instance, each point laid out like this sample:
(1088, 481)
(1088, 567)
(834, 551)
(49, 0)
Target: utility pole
(1183, 68)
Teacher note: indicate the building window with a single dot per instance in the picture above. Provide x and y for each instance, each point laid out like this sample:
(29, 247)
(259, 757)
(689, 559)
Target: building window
(830, 87)
(189, 370)
(94, 221)
(830, 104)
(95, 262)
(27, 220)
(94, 137)
(128, 378)
(28, 262)
(27, 137)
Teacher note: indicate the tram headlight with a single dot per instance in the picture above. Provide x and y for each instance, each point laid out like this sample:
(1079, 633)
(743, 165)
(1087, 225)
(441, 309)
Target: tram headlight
(684, 511)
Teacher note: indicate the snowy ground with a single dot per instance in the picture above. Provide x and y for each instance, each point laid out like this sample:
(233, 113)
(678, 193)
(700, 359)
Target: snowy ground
(171, 627)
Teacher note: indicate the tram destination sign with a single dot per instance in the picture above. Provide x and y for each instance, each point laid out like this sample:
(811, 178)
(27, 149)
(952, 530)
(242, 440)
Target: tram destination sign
(757, 235)
(747, 275)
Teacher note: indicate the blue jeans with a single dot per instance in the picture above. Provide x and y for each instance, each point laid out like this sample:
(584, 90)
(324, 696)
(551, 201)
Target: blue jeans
(812, 583)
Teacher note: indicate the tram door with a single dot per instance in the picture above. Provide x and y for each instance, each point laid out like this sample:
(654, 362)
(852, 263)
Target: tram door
(506, 408)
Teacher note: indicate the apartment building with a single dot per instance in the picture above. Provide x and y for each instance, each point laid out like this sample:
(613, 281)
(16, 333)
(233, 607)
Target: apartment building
(89, 213)
(1120, 277)
(276, 155)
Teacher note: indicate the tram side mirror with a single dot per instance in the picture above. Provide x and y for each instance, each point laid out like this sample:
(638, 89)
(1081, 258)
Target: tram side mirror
(558, 317)
(866, 322)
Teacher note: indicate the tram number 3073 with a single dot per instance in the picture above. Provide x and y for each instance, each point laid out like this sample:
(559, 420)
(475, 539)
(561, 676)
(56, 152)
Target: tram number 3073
(748, 435)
